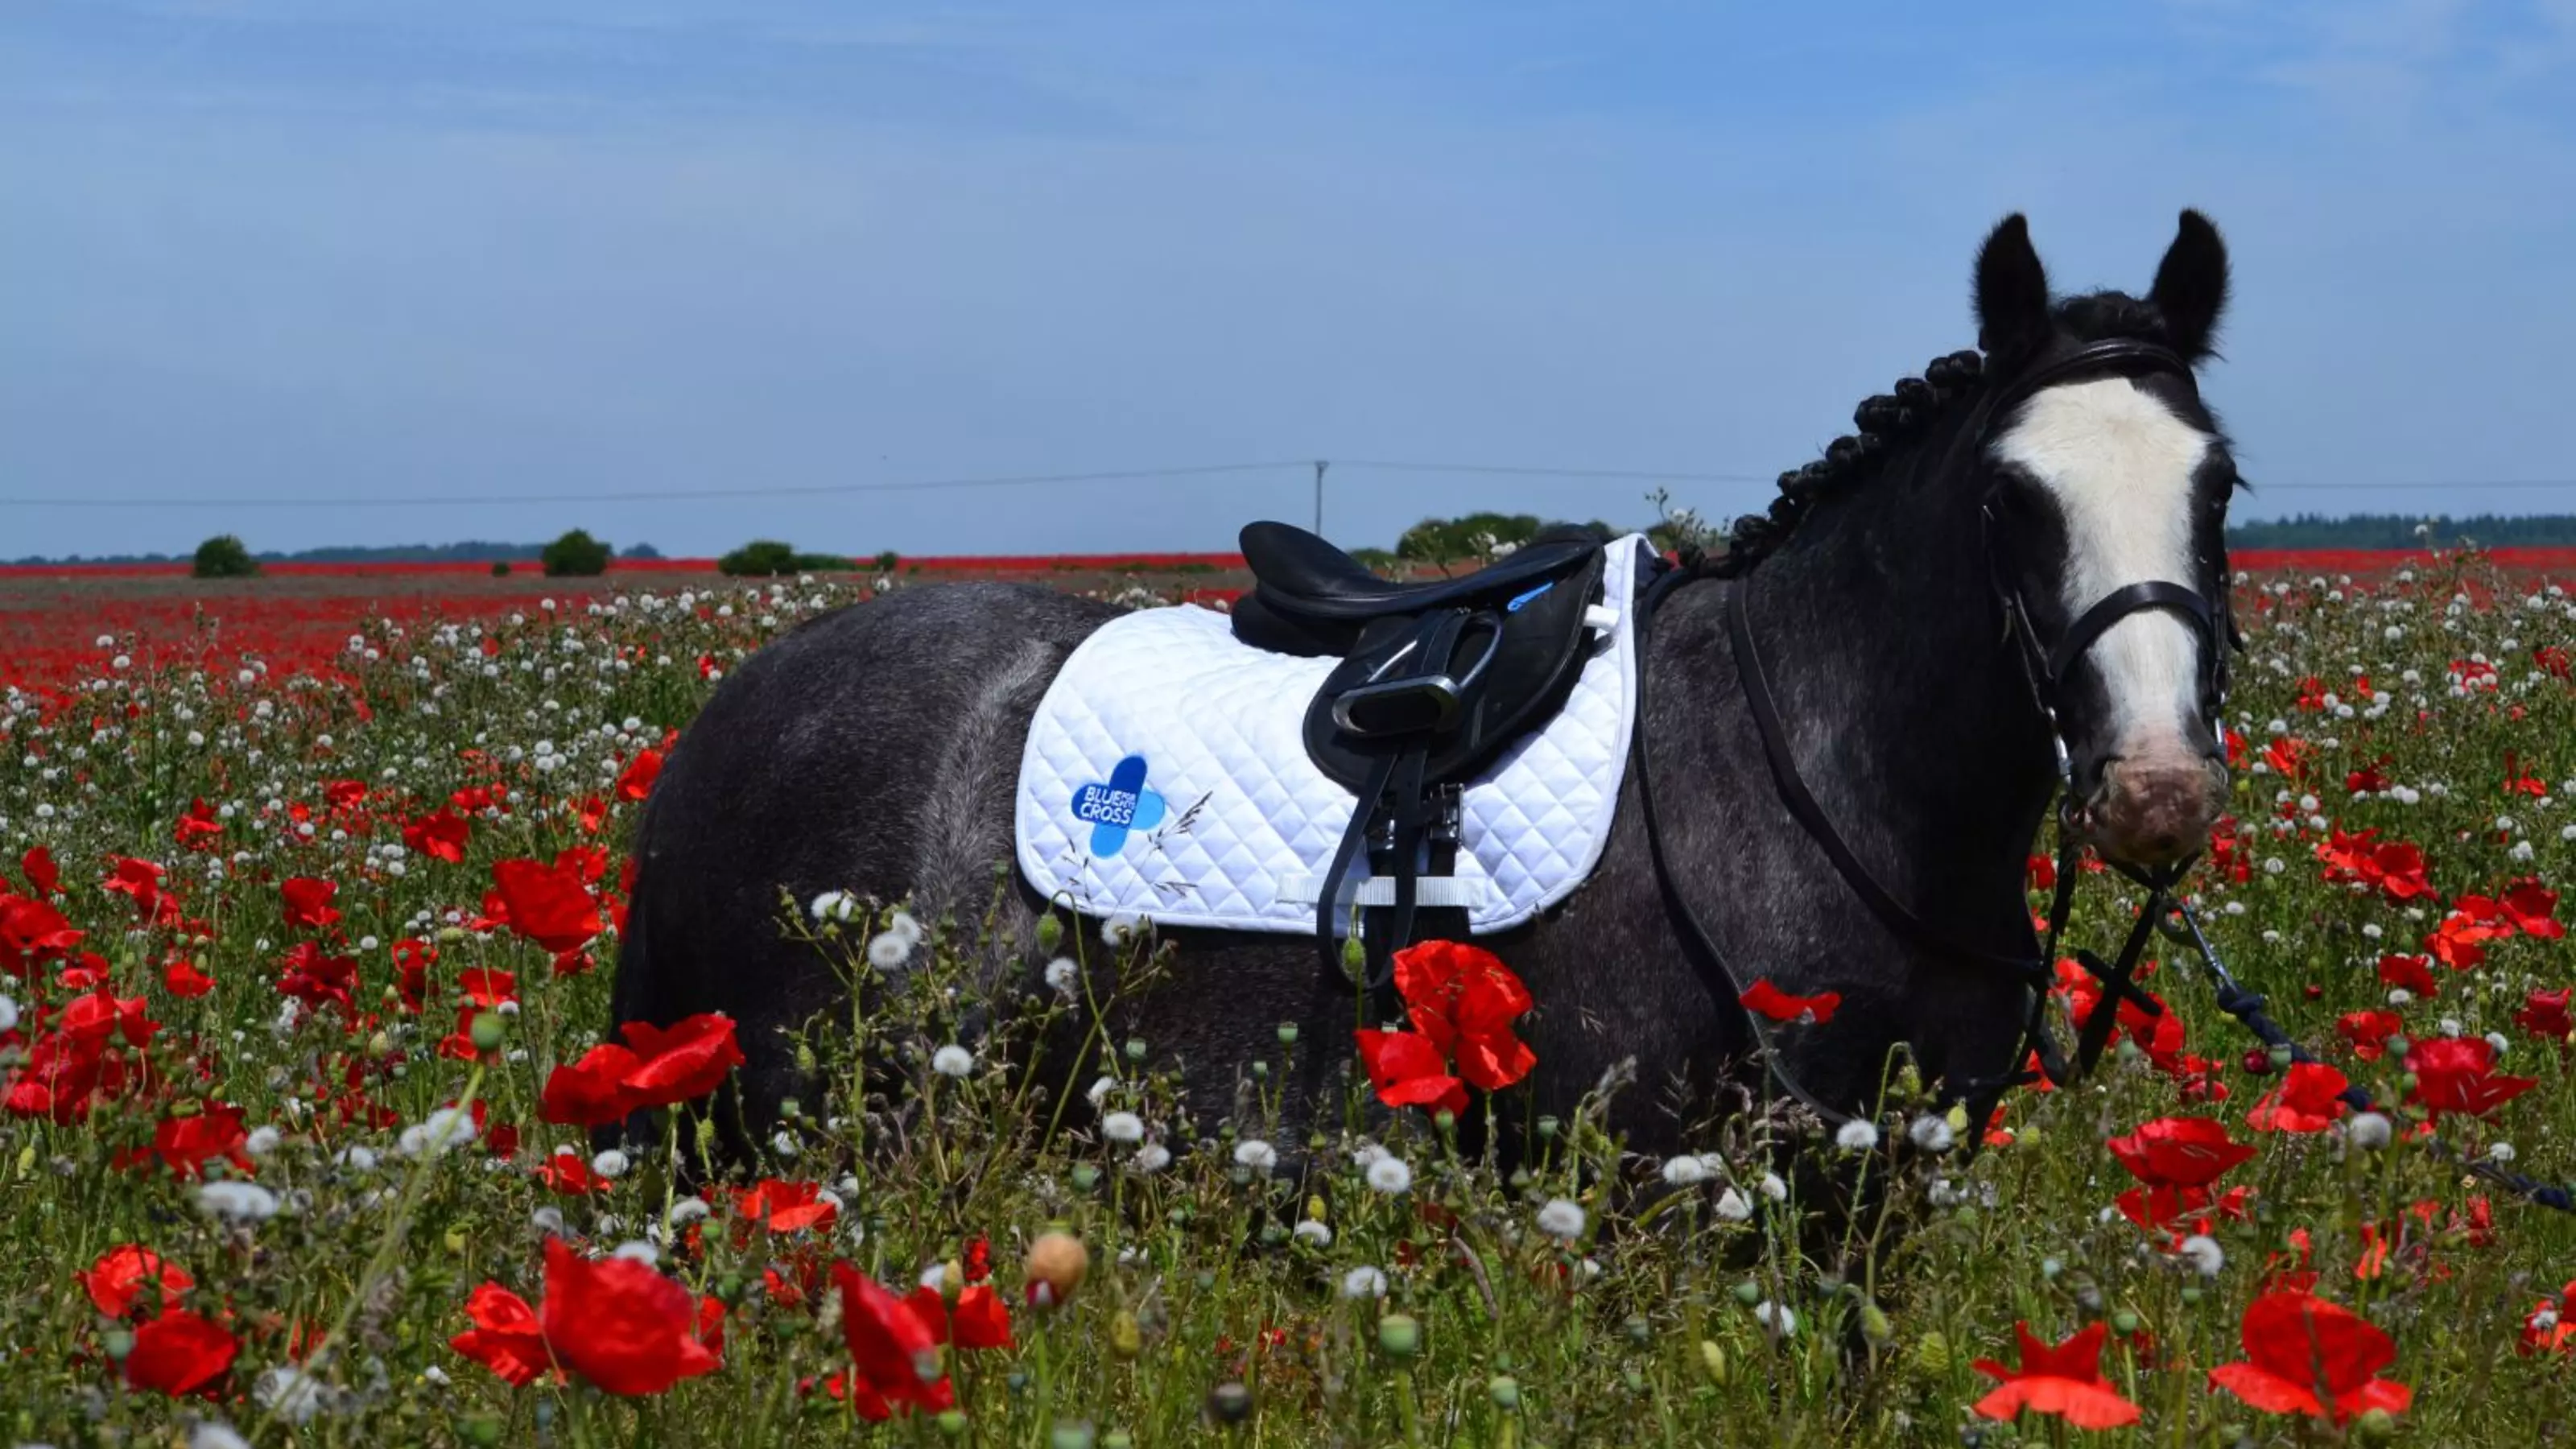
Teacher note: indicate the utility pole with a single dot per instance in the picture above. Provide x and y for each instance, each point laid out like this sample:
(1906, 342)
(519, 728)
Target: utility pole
(1320, 466)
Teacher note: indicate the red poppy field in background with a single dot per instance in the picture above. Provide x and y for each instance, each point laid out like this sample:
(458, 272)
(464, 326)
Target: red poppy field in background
(313, 883)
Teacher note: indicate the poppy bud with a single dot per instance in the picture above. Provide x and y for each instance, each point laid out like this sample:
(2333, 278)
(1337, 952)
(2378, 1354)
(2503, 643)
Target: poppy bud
(1400, 1335)
(2375, 1426)
(1748, 1292)
(1126, 1337)
(480, 1430)
(1072, 1434)
(487, 1030)
(952, 1422)
(1712, 1361)
(1506, 1393)
(1547, 1128)
(1085, 1177)
(1287, 1033)
(1932, 1355)
(1229, 1403)
(2124, 1322)
(1050, 933)
(118, 1341)
(1056, 1265)
(1117, 1439)
(1874, 1325)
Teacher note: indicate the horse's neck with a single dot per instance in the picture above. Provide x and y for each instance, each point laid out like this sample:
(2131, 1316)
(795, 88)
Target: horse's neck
(1911, 716)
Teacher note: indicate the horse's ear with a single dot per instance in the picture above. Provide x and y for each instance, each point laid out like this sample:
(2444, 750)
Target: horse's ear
(2012, 291)
(2191, 286)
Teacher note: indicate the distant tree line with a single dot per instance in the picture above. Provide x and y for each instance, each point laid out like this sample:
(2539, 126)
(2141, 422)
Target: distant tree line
(2397, 530)
(471, 551)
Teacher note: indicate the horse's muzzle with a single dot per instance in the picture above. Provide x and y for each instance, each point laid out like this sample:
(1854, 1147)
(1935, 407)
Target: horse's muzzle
(2154, 809)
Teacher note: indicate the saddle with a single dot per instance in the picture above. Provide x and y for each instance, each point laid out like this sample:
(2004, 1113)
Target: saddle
(1436, 680)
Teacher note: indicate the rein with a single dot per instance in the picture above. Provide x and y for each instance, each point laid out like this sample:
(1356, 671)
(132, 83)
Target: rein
(2045, 667)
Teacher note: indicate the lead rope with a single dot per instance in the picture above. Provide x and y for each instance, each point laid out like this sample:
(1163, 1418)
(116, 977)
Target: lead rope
(2247, 1007)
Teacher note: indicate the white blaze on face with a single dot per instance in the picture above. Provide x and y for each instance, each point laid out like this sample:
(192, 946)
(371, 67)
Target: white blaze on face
(2120, 465)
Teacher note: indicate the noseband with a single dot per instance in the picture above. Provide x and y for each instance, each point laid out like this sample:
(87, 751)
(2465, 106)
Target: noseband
(2046, 666)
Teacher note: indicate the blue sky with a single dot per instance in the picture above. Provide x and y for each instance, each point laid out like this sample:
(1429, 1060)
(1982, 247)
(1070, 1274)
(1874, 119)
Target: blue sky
(343, 252)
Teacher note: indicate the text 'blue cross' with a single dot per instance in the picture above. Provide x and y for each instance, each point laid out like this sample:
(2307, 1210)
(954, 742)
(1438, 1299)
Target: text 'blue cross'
(1118, 807)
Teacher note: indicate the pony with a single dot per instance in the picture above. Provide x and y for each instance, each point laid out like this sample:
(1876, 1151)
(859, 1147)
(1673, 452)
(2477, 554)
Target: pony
(1927, 610)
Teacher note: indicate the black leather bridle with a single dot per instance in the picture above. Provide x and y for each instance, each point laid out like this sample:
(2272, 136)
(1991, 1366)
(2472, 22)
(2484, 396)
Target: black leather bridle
(2046, 665)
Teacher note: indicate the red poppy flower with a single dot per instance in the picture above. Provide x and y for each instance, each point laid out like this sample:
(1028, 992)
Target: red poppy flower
(2178, 1151)
(894, 1353)
(2459, 941)
(590, 1092)
(182, 978)
(1778, 1005)
(680, 1062)
(567, 1174)
(505, 1337)
(2457, 1074)
(186, 1144)
(180, 1353)
(315, 977)
(786, 1207)
(486, 987)
(2409, 973)
(2367, 1032)
(2065, 1381)
(138, 879)
(121, 1274)
(2305, 1355)
(32, 932)
(619, 1324)
(981, 1320)
(636, 780)
(2544, 1013)
(441, 835)
(198, 828)
(1408, 1071)
(2309, 1099)
(548, 904)
(2551, 1326)
(42, 875)
(1465, 999)
(2533, 910)
(308, 901)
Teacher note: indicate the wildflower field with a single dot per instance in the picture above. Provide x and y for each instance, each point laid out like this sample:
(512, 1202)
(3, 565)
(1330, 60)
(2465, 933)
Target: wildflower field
(304, 964)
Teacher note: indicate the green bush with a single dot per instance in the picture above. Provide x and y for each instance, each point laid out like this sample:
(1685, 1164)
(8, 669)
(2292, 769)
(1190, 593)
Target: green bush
(500, 568)
(224, 557)
(577, 555)
(769, 558)
(888, 561)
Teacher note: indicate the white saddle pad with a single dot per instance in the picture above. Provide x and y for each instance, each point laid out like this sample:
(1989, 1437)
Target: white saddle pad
(1166, 776)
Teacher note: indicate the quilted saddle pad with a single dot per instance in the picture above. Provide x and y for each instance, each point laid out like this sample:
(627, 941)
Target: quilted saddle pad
(1165, 776)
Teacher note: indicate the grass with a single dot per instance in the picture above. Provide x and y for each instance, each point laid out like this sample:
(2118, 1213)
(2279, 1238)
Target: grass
(1583, 1298)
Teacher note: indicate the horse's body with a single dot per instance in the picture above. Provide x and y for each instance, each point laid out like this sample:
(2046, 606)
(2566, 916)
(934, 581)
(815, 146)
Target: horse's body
(876, 750)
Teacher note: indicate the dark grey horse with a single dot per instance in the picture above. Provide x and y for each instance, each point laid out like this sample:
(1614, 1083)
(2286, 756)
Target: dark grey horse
(875, 749)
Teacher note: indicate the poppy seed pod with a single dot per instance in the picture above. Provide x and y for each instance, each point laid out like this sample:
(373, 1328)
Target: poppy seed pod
(1057, 1264)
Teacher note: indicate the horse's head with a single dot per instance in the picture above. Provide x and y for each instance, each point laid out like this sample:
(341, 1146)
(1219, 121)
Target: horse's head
(2106, 477)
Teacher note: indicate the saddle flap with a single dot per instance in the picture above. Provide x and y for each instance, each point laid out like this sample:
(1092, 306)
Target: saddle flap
(1459, 683)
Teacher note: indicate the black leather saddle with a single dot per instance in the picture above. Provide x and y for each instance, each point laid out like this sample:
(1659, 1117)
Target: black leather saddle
(1436, 680)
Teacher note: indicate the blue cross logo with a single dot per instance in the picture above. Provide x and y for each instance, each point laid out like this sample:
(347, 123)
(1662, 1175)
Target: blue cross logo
(1118, 807)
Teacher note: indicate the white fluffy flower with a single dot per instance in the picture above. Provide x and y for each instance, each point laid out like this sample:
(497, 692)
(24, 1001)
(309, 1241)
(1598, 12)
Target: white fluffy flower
(262, 1141)
(1311, 1231)
(1256, 1154)
(1151, 1158)
(641, 1252)
(236, 1201)
(1389, 1175)
(216, 1434)
(357, 1159)
(8, 1014)
(439, 1132)
(902, 924)
(291, 1394)
(1123, 1127)
(1561, 1219)
(1121, 929)
(834, 906)
(2369, 1131)
(1733, 1206)
(1063, 975)
(2202, 1253)
(610, 1163)
(952, 1060)
(1686, 1170)
(1856, 1136)
(888, 950)
(1776, 1317)
(1364, 1282)
(1931, 1133)
(1773, 1188)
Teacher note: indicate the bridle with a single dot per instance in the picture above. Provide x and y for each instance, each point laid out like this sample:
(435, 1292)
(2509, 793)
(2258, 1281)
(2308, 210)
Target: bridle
(2046, 666)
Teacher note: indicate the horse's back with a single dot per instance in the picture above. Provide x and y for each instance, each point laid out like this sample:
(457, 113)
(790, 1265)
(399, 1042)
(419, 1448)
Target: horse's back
(872, 749)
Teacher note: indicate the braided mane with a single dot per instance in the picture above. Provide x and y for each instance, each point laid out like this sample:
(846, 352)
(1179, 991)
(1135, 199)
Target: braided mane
(1889, 420)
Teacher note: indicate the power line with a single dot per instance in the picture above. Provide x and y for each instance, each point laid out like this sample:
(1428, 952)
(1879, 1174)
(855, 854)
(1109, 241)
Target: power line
(1029, 480)
(1119, 475)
